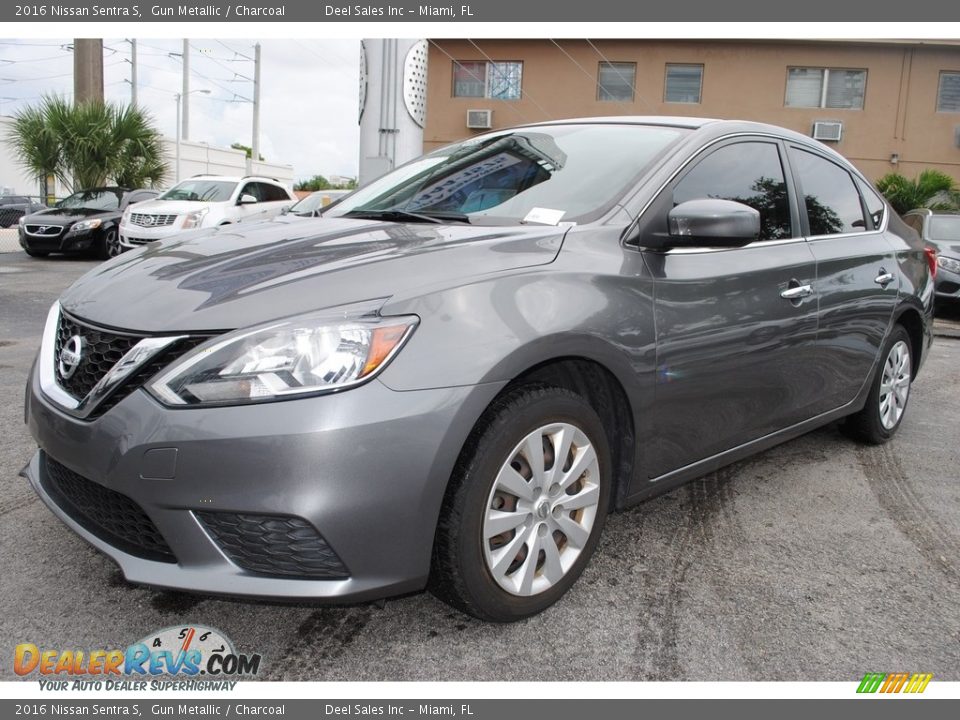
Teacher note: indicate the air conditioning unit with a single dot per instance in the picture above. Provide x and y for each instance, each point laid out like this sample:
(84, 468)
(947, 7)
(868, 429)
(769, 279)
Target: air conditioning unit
(480, 119)
(828, 130)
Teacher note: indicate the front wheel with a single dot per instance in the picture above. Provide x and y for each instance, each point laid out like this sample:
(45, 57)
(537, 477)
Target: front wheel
(881, 416)
(109, 245)
(525, 507)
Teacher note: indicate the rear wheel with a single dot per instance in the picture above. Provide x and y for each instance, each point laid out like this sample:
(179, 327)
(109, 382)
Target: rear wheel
(525, 507)
(881, 416)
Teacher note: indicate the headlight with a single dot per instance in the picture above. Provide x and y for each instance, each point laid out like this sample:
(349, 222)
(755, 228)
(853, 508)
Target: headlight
(85, 225)
(307, 355)
(948, 264)
(22, 221)
(125, 219)
(193, 220)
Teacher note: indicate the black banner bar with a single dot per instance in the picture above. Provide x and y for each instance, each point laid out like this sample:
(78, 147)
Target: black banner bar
(299, 11)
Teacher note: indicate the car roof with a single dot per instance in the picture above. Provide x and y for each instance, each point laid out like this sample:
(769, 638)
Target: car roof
(233, 178)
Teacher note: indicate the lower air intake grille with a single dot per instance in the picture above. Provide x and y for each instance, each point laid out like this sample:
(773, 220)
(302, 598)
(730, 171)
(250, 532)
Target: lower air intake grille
(111, 516)
(278, 545)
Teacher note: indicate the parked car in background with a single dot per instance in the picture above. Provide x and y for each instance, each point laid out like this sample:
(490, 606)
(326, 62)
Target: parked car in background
(204, 201)
(83, 222)
(451, 378)
(14, 207)
(941, 230)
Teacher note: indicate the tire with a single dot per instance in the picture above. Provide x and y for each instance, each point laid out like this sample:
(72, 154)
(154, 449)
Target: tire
(36, 253)
(109, 246)
(494, 486)
(881, 417)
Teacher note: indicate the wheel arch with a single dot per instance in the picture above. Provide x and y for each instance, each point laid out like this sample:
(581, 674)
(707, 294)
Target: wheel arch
(912, 321)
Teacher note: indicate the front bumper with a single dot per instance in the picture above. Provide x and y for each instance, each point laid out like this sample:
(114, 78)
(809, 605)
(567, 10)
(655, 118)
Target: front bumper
(133, 236)
(367, 468)
(65, 242)
(947, 285)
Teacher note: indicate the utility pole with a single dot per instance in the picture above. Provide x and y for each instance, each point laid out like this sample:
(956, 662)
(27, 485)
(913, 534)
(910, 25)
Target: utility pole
(255, 146)
(87, 70)
(185, 94)
(133, 72)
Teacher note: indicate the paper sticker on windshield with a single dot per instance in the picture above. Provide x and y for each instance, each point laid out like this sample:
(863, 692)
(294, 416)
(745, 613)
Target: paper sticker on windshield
(544, 216)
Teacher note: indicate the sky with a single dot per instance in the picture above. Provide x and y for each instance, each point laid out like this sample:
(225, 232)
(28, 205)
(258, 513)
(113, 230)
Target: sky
(309, 102)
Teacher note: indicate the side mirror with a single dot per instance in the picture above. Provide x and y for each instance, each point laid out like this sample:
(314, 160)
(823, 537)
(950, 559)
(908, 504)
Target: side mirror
(284, 210)
(710, 222)
(246, 199)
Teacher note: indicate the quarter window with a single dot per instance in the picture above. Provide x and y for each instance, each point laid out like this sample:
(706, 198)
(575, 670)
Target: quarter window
(748, 173)
(616, 81)
(683, 83)
(497, 80)
(948, 93)
(875, 206)
(831, 198)
(825, 88)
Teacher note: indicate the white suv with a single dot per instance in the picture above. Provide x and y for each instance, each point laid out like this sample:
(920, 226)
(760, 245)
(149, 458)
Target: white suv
(203, 201)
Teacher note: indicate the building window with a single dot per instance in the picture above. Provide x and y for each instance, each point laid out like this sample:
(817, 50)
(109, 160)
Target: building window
(683, 83)
(497, 80)
(948, 94)
(825, 88)
(616, 81)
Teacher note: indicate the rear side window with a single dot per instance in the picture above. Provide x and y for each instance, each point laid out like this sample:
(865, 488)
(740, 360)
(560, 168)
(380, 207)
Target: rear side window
(875, 206)
(748, 173)
(831, 198)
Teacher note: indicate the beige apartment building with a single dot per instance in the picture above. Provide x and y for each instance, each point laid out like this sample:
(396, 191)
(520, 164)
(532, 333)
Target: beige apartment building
(894, 105)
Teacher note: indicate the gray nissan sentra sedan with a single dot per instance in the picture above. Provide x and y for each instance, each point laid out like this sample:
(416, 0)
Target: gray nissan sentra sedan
(451, 377)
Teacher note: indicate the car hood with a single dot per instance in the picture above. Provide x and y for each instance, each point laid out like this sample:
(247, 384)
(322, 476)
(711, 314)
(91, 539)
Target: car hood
(235, 276)
(171, 207)
(65, 216)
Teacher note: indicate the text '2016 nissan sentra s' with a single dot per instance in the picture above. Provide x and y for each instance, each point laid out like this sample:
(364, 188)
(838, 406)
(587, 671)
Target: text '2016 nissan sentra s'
(451, 377)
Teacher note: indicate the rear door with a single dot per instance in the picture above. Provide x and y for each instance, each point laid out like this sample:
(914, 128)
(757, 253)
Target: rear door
(736, 328)
(857, 279)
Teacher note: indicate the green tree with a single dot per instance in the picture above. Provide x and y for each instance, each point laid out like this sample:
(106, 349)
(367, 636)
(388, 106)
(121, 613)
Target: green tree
(317, 182)
(247, 149)
(931, 189)
(88, 144)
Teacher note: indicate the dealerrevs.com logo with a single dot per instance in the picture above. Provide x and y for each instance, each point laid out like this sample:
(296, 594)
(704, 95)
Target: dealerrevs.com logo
(184, 652)
(887, 683)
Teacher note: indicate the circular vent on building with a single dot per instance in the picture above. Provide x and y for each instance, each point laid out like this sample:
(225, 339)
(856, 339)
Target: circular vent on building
(415, 82)
(363, 79)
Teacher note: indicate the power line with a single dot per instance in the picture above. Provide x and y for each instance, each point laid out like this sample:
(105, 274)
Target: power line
(585, 72)
(523, 93)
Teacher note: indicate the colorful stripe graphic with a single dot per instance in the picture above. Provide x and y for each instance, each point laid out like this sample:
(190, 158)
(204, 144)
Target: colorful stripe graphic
(894, 682)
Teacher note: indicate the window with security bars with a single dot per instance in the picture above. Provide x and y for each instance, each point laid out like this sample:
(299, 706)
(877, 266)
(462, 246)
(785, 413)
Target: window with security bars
(616, 81)
(948, 93)
(683, 83)
(497, 80)
(825, 88)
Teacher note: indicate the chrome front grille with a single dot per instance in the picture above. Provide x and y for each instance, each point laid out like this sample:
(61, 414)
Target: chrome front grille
(50, 231)
(148, 220)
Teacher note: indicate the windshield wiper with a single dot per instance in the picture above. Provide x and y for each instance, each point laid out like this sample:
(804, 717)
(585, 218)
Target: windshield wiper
(402, 215)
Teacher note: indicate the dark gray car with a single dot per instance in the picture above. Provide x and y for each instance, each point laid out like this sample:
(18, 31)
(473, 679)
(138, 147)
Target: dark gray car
(450, 378)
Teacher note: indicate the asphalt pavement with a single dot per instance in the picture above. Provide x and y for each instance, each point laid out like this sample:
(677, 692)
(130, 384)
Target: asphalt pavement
(817, 560)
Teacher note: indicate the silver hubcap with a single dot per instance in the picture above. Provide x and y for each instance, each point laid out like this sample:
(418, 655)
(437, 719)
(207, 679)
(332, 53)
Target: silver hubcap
(894, 385)
(541, 509)
(113, 244)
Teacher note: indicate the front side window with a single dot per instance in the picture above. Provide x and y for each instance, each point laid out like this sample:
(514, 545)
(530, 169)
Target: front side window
(683, 83)
(616, 81)
(831, 199)
(948, 92)
(750, 173)
(561, 173)
(825, 88)
(496, 80)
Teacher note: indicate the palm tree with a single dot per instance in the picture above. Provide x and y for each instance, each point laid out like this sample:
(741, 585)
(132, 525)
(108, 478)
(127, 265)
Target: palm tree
(88, 144)
(931, 189)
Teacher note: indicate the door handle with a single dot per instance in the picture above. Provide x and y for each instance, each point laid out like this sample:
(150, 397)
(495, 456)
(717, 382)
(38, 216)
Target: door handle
(884, 278)
(797, 292)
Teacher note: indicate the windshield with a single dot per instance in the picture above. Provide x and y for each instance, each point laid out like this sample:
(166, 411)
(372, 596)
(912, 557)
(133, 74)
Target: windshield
(93, 200)
(309, 204)
(945, 227)
(550, 174)
(200, 191)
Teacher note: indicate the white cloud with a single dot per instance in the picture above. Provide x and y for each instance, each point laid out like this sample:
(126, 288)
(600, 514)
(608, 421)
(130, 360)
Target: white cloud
(308, 115)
